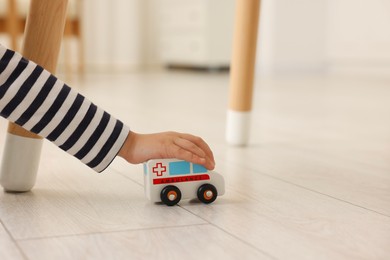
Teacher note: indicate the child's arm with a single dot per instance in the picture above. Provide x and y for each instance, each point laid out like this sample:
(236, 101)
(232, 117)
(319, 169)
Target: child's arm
(36, 100)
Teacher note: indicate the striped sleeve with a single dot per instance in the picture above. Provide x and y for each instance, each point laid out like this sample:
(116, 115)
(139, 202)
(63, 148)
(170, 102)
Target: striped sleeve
(33, 98)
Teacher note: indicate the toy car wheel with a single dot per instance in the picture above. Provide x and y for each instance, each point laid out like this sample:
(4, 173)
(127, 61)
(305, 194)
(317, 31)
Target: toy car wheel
(170, 195)
(207, 193)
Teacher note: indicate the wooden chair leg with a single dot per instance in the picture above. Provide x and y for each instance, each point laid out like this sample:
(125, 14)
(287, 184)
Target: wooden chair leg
(13, 23)
(81, 53)
(80, 37)
(242, 71)
(69, 31)
(42, 40)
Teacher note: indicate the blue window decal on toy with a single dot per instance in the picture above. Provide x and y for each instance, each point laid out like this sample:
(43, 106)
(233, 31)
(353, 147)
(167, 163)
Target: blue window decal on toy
(177, 168)
(145, 169)
(199, 169)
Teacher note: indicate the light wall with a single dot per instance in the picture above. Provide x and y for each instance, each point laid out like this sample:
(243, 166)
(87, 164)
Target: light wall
(121, 35)
(113, 34)
(359, 35)
(295, 35)
(324, 36)
(292, 36)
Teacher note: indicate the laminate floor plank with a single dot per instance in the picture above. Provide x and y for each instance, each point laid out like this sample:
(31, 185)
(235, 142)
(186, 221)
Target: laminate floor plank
(8, 248)
(70, 199)
(357, 183)
(190, 242)
(289, 222)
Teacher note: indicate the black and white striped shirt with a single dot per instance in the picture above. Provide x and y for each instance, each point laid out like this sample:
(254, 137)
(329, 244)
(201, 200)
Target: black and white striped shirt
(33, 98)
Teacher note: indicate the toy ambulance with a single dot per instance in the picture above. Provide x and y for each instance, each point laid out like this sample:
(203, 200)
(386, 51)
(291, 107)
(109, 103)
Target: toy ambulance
(170, 180)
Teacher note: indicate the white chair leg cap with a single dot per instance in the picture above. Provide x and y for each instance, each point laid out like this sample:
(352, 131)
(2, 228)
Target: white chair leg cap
(237, 127)
(20, 163)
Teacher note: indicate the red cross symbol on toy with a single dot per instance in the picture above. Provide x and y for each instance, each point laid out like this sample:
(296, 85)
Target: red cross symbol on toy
(159, 169)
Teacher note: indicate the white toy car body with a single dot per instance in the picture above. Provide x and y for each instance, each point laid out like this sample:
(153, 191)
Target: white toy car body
(170, 180)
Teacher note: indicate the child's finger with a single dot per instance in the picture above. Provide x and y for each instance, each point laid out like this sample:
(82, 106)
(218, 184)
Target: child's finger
(189, 146)
(183, 154)
(200, 143)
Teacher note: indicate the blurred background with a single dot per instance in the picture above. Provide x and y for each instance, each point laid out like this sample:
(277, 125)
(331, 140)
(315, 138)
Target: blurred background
(296, 36)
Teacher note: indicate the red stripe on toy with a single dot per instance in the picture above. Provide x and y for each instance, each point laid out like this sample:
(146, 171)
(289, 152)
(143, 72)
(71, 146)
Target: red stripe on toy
(199, 177)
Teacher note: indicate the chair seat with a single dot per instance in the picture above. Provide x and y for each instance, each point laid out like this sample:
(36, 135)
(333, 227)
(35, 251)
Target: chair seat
(23, 6)
(14, 25)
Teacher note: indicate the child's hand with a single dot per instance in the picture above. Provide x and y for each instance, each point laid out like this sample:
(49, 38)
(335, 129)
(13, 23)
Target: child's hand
(139, 148)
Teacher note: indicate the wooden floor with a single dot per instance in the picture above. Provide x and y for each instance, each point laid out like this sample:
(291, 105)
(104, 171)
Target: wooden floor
(314, 183)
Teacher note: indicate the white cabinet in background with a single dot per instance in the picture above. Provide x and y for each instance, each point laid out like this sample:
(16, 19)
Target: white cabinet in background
(196, 33)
